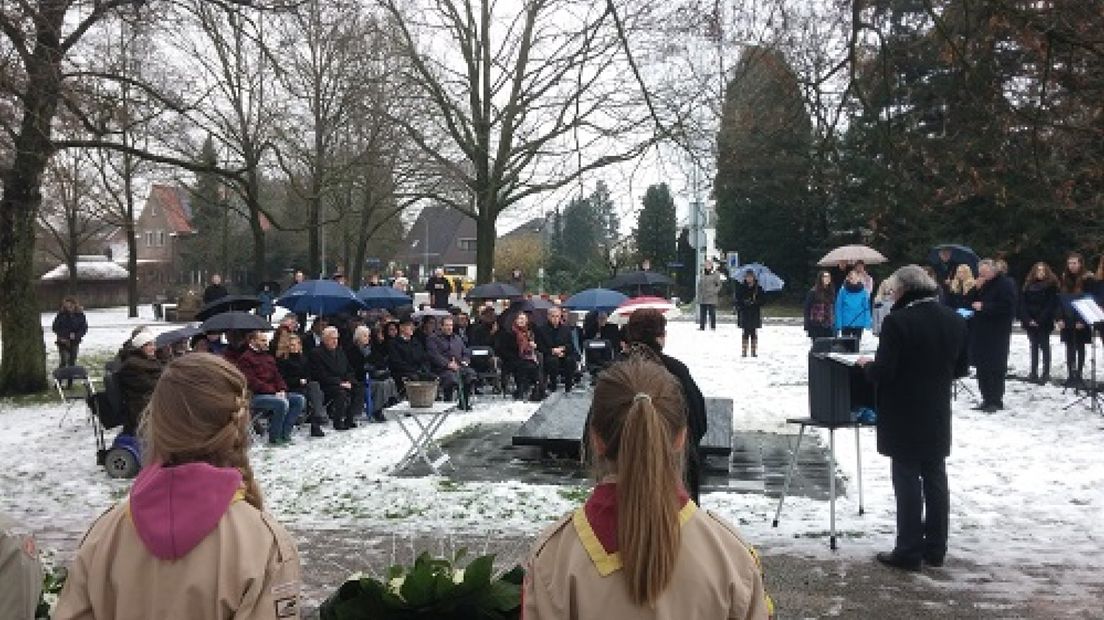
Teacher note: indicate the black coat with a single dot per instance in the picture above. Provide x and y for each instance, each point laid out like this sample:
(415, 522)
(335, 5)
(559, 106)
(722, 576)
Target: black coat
(549, 338)
(479, 335)
(358, 361)
(921, 350)
(992, 325)
(329, 368)
(439, 289)
(66, 323)
(213, 292)
(408, 358)
(696, 422)
(295, 369)
(137, 377)
(749, 301)
(1039, 303)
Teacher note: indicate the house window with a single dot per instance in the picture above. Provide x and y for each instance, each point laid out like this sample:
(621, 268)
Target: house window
(149, 239)
(467, 245)
(160, 238)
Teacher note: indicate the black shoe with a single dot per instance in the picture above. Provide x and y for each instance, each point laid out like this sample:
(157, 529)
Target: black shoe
(1045, 379)
(316, 431)
(933, 561)
(340, 426)
(1033, 377)
(350, 423)
(991, 408)
(895, 561)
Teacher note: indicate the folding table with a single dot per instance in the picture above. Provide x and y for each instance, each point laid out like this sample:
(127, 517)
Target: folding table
(831, 426)
(424, 423)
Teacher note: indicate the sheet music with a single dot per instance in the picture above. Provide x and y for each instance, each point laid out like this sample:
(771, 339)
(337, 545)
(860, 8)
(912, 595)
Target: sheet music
(849, 359)
(1089, 310)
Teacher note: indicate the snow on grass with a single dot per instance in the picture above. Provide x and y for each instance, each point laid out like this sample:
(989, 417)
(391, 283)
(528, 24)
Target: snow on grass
(1027, 484)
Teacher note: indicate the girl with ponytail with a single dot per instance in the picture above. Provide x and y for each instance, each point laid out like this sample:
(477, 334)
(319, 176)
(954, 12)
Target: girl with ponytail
(192, 540)
(639, 547)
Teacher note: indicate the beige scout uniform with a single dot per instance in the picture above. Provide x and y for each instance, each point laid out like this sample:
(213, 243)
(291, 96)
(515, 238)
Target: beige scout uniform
(20, 573)
(717, 576)
(248, 567)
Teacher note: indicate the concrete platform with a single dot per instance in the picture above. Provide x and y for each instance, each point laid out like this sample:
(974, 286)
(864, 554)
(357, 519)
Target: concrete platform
(558, 425)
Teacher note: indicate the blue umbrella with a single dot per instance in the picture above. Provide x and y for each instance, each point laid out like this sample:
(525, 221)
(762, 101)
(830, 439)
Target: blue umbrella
(319, 297)
(384, 297)
(766, 278)
(602, 299)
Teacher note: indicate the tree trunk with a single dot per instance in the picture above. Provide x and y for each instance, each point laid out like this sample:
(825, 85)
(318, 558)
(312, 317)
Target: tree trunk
(253, 195)
(485, 237)
(23, 352)
(132, 237)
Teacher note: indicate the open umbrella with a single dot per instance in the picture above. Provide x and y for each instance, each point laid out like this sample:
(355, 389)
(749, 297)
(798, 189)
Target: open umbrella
(383, 297)
(763, 275)
(176, 335)
(424, 312)
(852, 254)
(960, 255)
(603, 299)
(493, 290)
(241, 303)
(235, 321)
(319, 297)
(638, 280)
(622, 313)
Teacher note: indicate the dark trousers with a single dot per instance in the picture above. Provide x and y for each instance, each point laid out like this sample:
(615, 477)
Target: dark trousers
(991, 384)
(1040, 343)
(1075, 355)
(526, 374)
(557, 368)
(67, 356)
(923, 508)
(709, 310)
(338, 398)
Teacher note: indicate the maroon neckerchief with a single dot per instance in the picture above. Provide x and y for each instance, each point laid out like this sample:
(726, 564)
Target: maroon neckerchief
(601, 513)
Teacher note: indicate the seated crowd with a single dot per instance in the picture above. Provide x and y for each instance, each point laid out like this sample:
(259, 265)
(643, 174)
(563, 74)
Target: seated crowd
(348, 364)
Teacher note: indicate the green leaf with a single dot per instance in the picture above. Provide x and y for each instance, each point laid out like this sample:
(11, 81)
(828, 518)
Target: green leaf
(478, 572)
(504, 596)
(419, 586)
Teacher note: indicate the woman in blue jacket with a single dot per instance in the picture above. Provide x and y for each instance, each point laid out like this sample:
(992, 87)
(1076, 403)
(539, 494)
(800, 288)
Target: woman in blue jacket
(852, 307)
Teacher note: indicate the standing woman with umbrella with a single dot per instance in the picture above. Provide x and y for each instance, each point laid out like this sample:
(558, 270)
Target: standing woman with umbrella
(749, 300)
(852, 307)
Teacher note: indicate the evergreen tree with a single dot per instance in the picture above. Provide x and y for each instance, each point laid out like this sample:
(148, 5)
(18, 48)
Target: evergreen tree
(209, 250)
(656, 229)
(763, 166)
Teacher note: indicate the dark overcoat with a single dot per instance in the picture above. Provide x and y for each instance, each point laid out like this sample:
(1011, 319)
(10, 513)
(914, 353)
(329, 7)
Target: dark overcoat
(749, 303)
(992, 325)
(1039, 302)
(921, 350)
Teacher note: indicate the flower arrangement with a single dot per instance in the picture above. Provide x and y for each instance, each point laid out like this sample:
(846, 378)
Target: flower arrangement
(431, 588)
(53, 580)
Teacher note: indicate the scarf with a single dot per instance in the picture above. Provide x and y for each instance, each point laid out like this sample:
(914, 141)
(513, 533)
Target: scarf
(525, 348)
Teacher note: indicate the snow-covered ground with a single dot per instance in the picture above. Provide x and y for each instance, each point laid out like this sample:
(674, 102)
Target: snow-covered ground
(1027, 483)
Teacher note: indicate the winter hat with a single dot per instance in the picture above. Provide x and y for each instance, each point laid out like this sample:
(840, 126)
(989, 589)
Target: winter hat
(141, 339)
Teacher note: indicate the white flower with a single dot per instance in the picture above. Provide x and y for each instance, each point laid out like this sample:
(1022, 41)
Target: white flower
(458, 575)
(395, 585)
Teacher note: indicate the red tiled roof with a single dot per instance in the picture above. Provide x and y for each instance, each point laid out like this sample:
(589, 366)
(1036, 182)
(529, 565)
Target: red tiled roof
(174, 203)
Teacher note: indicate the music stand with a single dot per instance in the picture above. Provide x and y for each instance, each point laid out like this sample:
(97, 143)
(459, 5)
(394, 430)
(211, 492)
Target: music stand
(1093, 315)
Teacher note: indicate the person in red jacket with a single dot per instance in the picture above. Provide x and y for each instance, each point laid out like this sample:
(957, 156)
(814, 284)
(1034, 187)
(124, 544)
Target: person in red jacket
(270, 393)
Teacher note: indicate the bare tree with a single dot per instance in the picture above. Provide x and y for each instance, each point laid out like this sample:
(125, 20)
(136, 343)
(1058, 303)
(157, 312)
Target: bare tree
(70, 214)
(526, 99)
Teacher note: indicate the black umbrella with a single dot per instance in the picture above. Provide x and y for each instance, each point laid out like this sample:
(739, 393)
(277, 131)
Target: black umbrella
(243, 303)
(235, 321)
(176, 335)
(960, 255)
(493, 290)
(638, 281)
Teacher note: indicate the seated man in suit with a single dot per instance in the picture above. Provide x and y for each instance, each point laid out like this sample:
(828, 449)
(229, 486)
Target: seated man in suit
(330, 368)
(557, 348)
(407, 356)
(449, 360)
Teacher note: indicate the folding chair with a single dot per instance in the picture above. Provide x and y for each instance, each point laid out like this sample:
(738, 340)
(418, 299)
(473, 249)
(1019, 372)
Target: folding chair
(597, 354)
(486, 367)
(69, 374)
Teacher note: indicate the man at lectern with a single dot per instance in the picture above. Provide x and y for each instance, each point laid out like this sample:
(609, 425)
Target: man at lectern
(921, 351)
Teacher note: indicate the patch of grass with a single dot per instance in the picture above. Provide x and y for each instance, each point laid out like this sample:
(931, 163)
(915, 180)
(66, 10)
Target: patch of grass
(575, 495)
(48, 397)
(789, 311)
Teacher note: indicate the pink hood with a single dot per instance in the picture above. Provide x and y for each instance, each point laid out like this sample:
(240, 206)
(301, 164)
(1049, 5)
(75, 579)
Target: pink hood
(174, 508)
